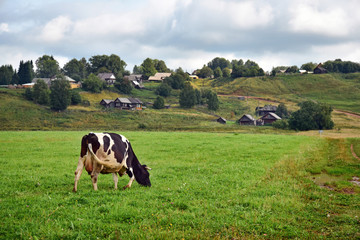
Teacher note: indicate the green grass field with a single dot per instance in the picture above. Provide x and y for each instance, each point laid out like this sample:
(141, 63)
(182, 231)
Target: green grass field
(204, 186)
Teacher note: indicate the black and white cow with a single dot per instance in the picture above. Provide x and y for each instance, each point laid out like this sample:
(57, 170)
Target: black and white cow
(110, 153)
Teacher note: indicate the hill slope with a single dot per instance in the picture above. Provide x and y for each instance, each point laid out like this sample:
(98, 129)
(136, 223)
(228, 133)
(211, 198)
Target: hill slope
(342, 91)
(339, 90)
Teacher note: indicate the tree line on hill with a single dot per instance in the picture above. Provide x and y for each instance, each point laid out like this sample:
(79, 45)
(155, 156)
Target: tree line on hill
(79, 70)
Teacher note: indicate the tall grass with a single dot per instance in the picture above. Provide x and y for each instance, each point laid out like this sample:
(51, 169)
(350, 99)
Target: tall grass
(204, 186)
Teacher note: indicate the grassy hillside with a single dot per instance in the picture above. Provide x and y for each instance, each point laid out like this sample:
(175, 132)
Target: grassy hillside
(341, 91)
(204, 186)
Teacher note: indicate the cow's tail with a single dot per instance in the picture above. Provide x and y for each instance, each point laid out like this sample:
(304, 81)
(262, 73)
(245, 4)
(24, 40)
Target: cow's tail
(140, 172)
(107, 164)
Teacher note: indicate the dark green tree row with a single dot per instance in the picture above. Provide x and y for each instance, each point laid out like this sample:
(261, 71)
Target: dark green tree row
(341, 66)
(221, 67)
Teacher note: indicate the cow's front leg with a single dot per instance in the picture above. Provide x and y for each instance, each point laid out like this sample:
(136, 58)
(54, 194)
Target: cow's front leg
(132, 178)
(78, 172)
(116, 179)
(94, 177)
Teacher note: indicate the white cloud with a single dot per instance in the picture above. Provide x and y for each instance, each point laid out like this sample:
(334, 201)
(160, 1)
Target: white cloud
(56, 29)
(4, 27)
(349, 51)
(319, 19)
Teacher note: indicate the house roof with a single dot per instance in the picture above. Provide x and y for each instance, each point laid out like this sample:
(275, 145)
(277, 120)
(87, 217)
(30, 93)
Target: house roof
(134, 77)
(105, 76)
(135, 100)
(248, 116)
(107, 101)
(122, 100)
(273, 115)
(267, 108)
(159, 76)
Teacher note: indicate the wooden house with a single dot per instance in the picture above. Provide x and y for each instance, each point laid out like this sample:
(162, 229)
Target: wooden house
(319, 69)
(269, 118)
(109, 78)
(135, 103)
(107, 103)
(261, 111)
(221, 120)
(136, 80)
(128, 103)
(247, 119)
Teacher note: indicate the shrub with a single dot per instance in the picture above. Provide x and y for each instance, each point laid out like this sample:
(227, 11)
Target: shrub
(281, 124)
(159, 103)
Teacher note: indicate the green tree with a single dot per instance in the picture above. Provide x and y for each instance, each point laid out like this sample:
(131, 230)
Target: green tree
(28, 94)
(148, 68)
(26, 72)
(218, 73)
(105, 63)
(60, 96)
(93, 84)
(41, 93)
(47, 67)
(6, 74)
(123, 85)
(282, 111)
(213, 101)
(311, 116)
(206, 72)
(76, 69)
(310, 66)
(219, 62)
(226, 72)
(15, 78)
(187, 97)
(159, 103)
(75, 97)
(160, 66)
(163, 90)
(292, 69)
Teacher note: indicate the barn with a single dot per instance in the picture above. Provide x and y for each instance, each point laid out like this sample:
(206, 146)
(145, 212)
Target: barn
(247, 119)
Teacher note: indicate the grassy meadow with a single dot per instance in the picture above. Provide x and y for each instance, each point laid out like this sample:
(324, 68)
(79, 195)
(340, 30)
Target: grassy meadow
(204, 186)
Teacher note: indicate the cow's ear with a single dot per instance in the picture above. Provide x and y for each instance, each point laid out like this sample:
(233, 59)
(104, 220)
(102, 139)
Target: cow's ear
(146, 167)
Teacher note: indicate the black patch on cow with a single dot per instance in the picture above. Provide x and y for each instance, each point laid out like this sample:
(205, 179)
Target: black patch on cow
(106, 143)
(129, 173)
(109, 152)
(93, 139)
(119, 147)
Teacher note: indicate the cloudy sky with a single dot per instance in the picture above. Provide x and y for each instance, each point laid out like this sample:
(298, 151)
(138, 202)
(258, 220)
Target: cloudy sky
(183, 33)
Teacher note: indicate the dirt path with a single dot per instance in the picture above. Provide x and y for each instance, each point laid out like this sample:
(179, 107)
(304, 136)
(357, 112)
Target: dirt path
(250, 97)
(347, 113)
(353, 152)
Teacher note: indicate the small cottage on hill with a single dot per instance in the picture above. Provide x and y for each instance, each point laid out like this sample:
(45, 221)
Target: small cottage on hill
(109, 78)
(319, 69)
(247, 119)
(107, 103)
(221, 120)
(270, 117)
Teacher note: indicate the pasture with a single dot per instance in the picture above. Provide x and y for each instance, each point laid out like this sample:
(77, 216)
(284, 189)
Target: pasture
(204, 186)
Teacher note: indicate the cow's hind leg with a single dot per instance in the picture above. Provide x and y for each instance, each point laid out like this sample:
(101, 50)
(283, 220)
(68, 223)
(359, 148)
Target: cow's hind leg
(94, 177)
(116, 179)
(78, 172)
(132, 178)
